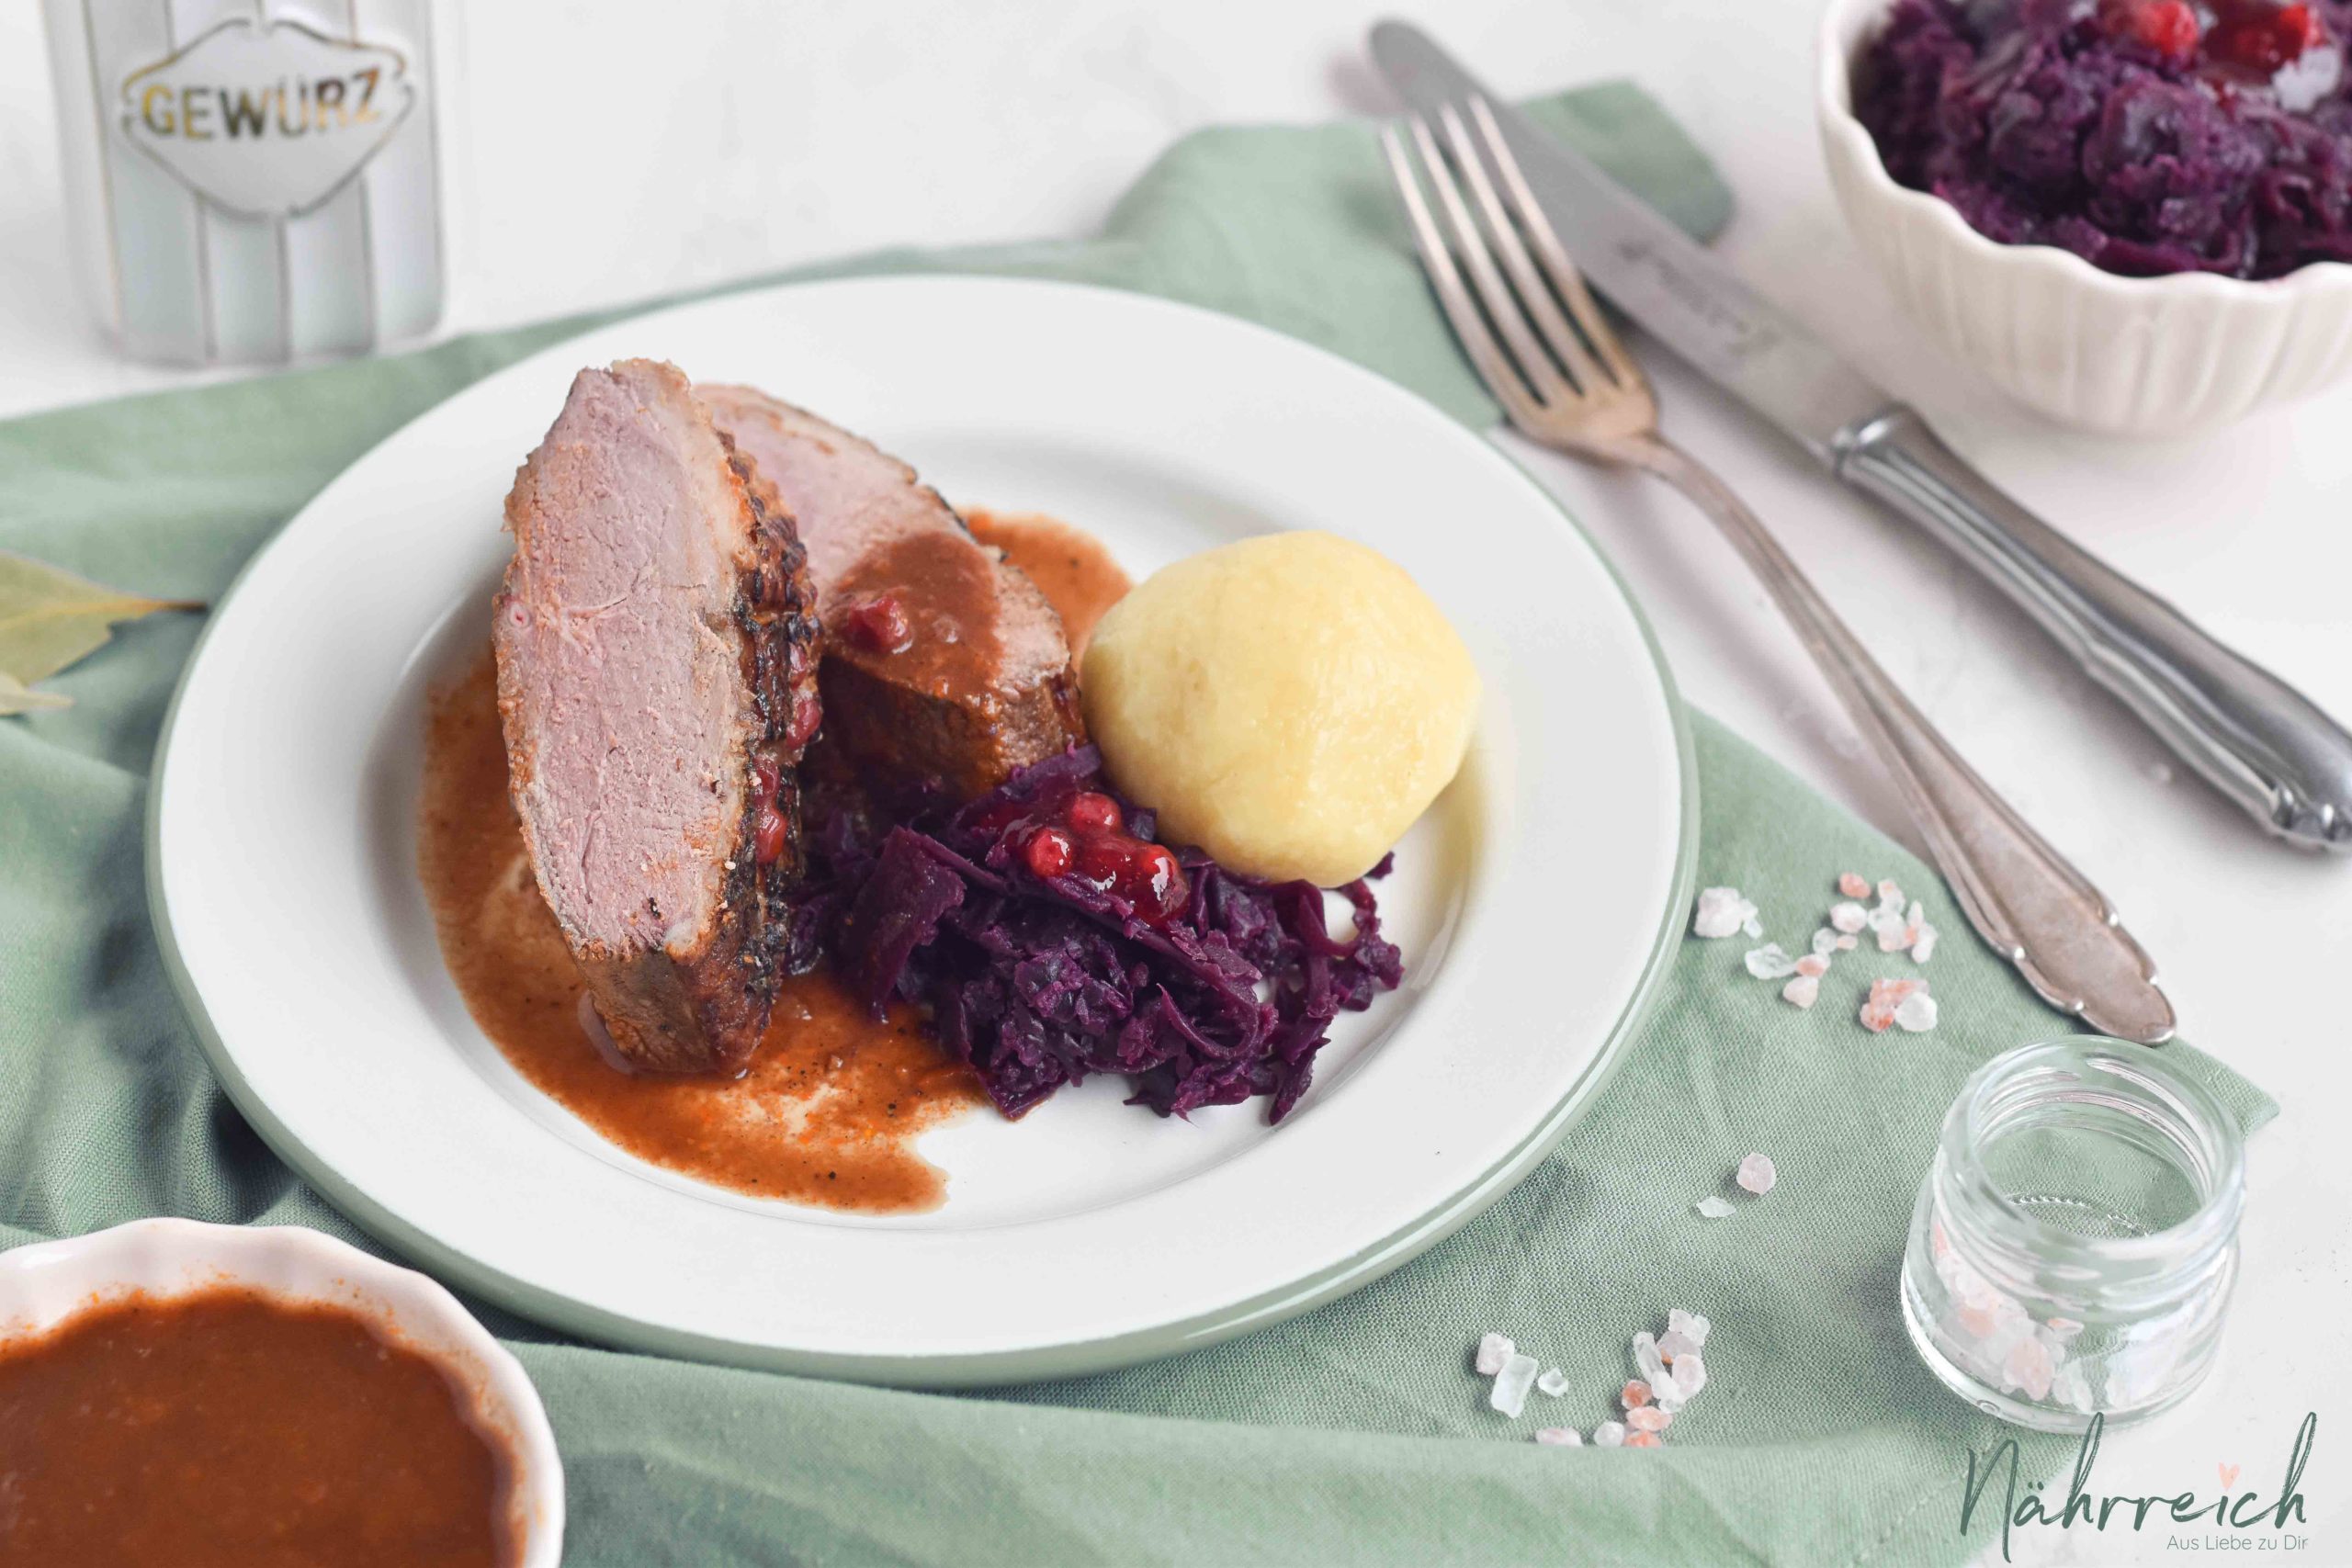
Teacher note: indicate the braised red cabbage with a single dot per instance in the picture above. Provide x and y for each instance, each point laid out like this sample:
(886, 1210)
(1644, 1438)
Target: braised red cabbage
(1042, 981)
(2146, 136)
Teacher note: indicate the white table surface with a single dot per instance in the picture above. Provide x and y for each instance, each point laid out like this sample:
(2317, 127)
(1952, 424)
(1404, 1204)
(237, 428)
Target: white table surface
(617, 154)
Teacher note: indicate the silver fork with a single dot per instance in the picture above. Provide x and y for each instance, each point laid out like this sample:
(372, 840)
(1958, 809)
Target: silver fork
(1565, 381)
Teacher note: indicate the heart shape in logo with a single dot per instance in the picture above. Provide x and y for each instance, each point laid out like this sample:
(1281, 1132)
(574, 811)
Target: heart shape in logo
(2229, 1475)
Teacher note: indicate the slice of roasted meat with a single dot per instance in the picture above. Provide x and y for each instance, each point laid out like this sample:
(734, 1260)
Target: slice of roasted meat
(944, 666)
(656, 642)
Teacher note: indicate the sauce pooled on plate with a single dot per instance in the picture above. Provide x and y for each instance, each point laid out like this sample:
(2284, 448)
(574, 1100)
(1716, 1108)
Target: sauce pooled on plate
(829, 1108)
(1078, 578)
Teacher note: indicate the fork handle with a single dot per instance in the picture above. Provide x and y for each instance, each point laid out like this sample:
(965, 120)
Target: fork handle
(2024, 898)
(2258, 739)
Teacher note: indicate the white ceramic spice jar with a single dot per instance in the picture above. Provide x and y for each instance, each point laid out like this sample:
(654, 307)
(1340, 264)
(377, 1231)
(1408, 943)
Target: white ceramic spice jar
(251, 180)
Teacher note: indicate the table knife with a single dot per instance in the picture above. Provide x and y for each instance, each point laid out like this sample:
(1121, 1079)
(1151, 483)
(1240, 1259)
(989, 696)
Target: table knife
(2255, 738)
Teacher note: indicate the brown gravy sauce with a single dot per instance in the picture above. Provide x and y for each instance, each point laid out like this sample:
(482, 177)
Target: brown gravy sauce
(1069, 566)
(827, 1114)
(227, 1429)
(947, 591)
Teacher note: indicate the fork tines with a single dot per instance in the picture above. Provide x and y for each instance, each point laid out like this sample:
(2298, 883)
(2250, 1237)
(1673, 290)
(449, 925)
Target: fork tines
(1554, 347)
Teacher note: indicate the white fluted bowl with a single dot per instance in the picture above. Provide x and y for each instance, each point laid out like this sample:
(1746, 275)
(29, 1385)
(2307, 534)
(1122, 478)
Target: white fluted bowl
(2123, 355)
(44, 1284)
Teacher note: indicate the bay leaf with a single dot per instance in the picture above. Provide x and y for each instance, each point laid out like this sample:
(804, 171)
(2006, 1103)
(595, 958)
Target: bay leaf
(50, 617)
(18, 697)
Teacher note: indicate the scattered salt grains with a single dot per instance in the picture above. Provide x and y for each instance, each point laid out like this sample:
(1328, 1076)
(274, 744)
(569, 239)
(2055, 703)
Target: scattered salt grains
(1609, 1434)
(1723, 912)
(1553, 1382)
(1803, 991)
(1691, 1324)
(1771, 962)
(1755, 1175)
(1494, 1349)
(1853, 884)
(1509, 1393)
(1559, 1437)
(1714, 1208)
(1917, 1013)
(1848, 918)
(1650, 1363)
(1634, 1395)
(1648, 1418)
(1886, 999)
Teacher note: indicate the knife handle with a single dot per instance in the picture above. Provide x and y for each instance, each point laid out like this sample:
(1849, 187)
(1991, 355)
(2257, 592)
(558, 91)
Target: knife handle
(2256, 739)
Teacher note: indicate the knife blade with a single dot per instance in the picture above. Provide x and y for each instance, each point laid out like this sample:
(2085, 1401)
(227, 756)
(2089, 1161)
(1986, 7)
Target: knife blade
(2252, 736)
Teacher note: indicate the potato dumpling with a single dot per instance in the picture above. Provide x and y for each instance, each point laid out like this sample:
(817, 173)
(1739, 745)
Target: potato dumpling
(1290, 704)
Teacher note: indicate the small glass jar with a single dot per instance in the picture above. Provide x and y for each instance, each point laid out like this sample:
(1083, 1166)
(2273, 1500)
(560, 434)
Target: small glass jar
(2075, 1243)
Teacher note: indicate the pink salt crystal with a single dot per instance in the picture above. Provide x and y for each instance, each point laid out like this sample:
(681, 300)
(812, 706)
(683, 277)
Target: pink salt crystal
(1494, 1349)
(1609, 1434)
(1885, 997)
(1755, 1175)
(1825, 941)
(1636, 1393)
(2028, 1367)
(1674, 1344)
(1922, 943)
(1803, 991)
(1648, 1418)
(1848, 918)
(1854, 886)
(1559, 1437)
(1641, 1441)
(1888, 893)
(1845, 944)
(1813, 967)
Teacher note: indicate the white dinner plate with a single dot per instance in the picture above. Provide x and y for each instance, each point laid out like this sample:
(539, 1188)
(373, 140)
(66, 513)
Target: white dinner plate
(1536, 903)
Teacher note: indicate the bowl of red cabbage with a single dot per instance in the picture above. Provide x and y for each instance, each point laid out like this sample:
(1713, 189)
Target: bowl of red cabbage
(2134, 216)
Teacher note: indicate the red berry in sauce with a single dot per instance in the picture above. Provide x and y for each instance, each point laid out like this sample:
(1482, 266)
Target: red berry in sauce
(2264, 37)
(879, 625)
(768, 829)
(768, 835)
(1047, 852)
(2170, 29)
(1163, 888)
(1092, 813)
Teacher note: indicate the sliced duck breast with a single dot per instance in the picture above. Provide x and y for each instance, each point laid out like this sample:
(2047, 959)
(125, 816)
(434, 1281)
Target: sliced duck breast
(944, 666)
(656, 644)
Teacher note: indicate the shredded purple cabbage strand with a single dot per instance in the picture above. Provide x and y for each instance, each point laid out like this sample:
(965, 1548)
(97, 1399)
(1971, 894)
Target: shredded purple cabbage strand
(1038, 983)
(2052, 122)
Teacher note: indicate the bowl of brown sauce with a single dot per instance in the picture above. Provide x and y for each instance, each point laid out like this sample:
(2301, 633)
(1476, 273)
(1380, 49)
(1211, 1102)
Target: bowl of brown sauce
(203, 1395)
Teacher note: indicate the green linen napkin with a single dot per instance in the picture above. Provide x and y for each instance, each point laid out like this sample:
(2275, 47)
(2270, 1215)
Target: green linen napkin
(1356, 1433)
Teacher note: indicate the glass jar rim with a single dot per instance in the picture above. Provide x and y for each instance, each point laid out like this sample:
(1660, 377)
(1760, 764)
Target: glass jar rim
(2200, 1127)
